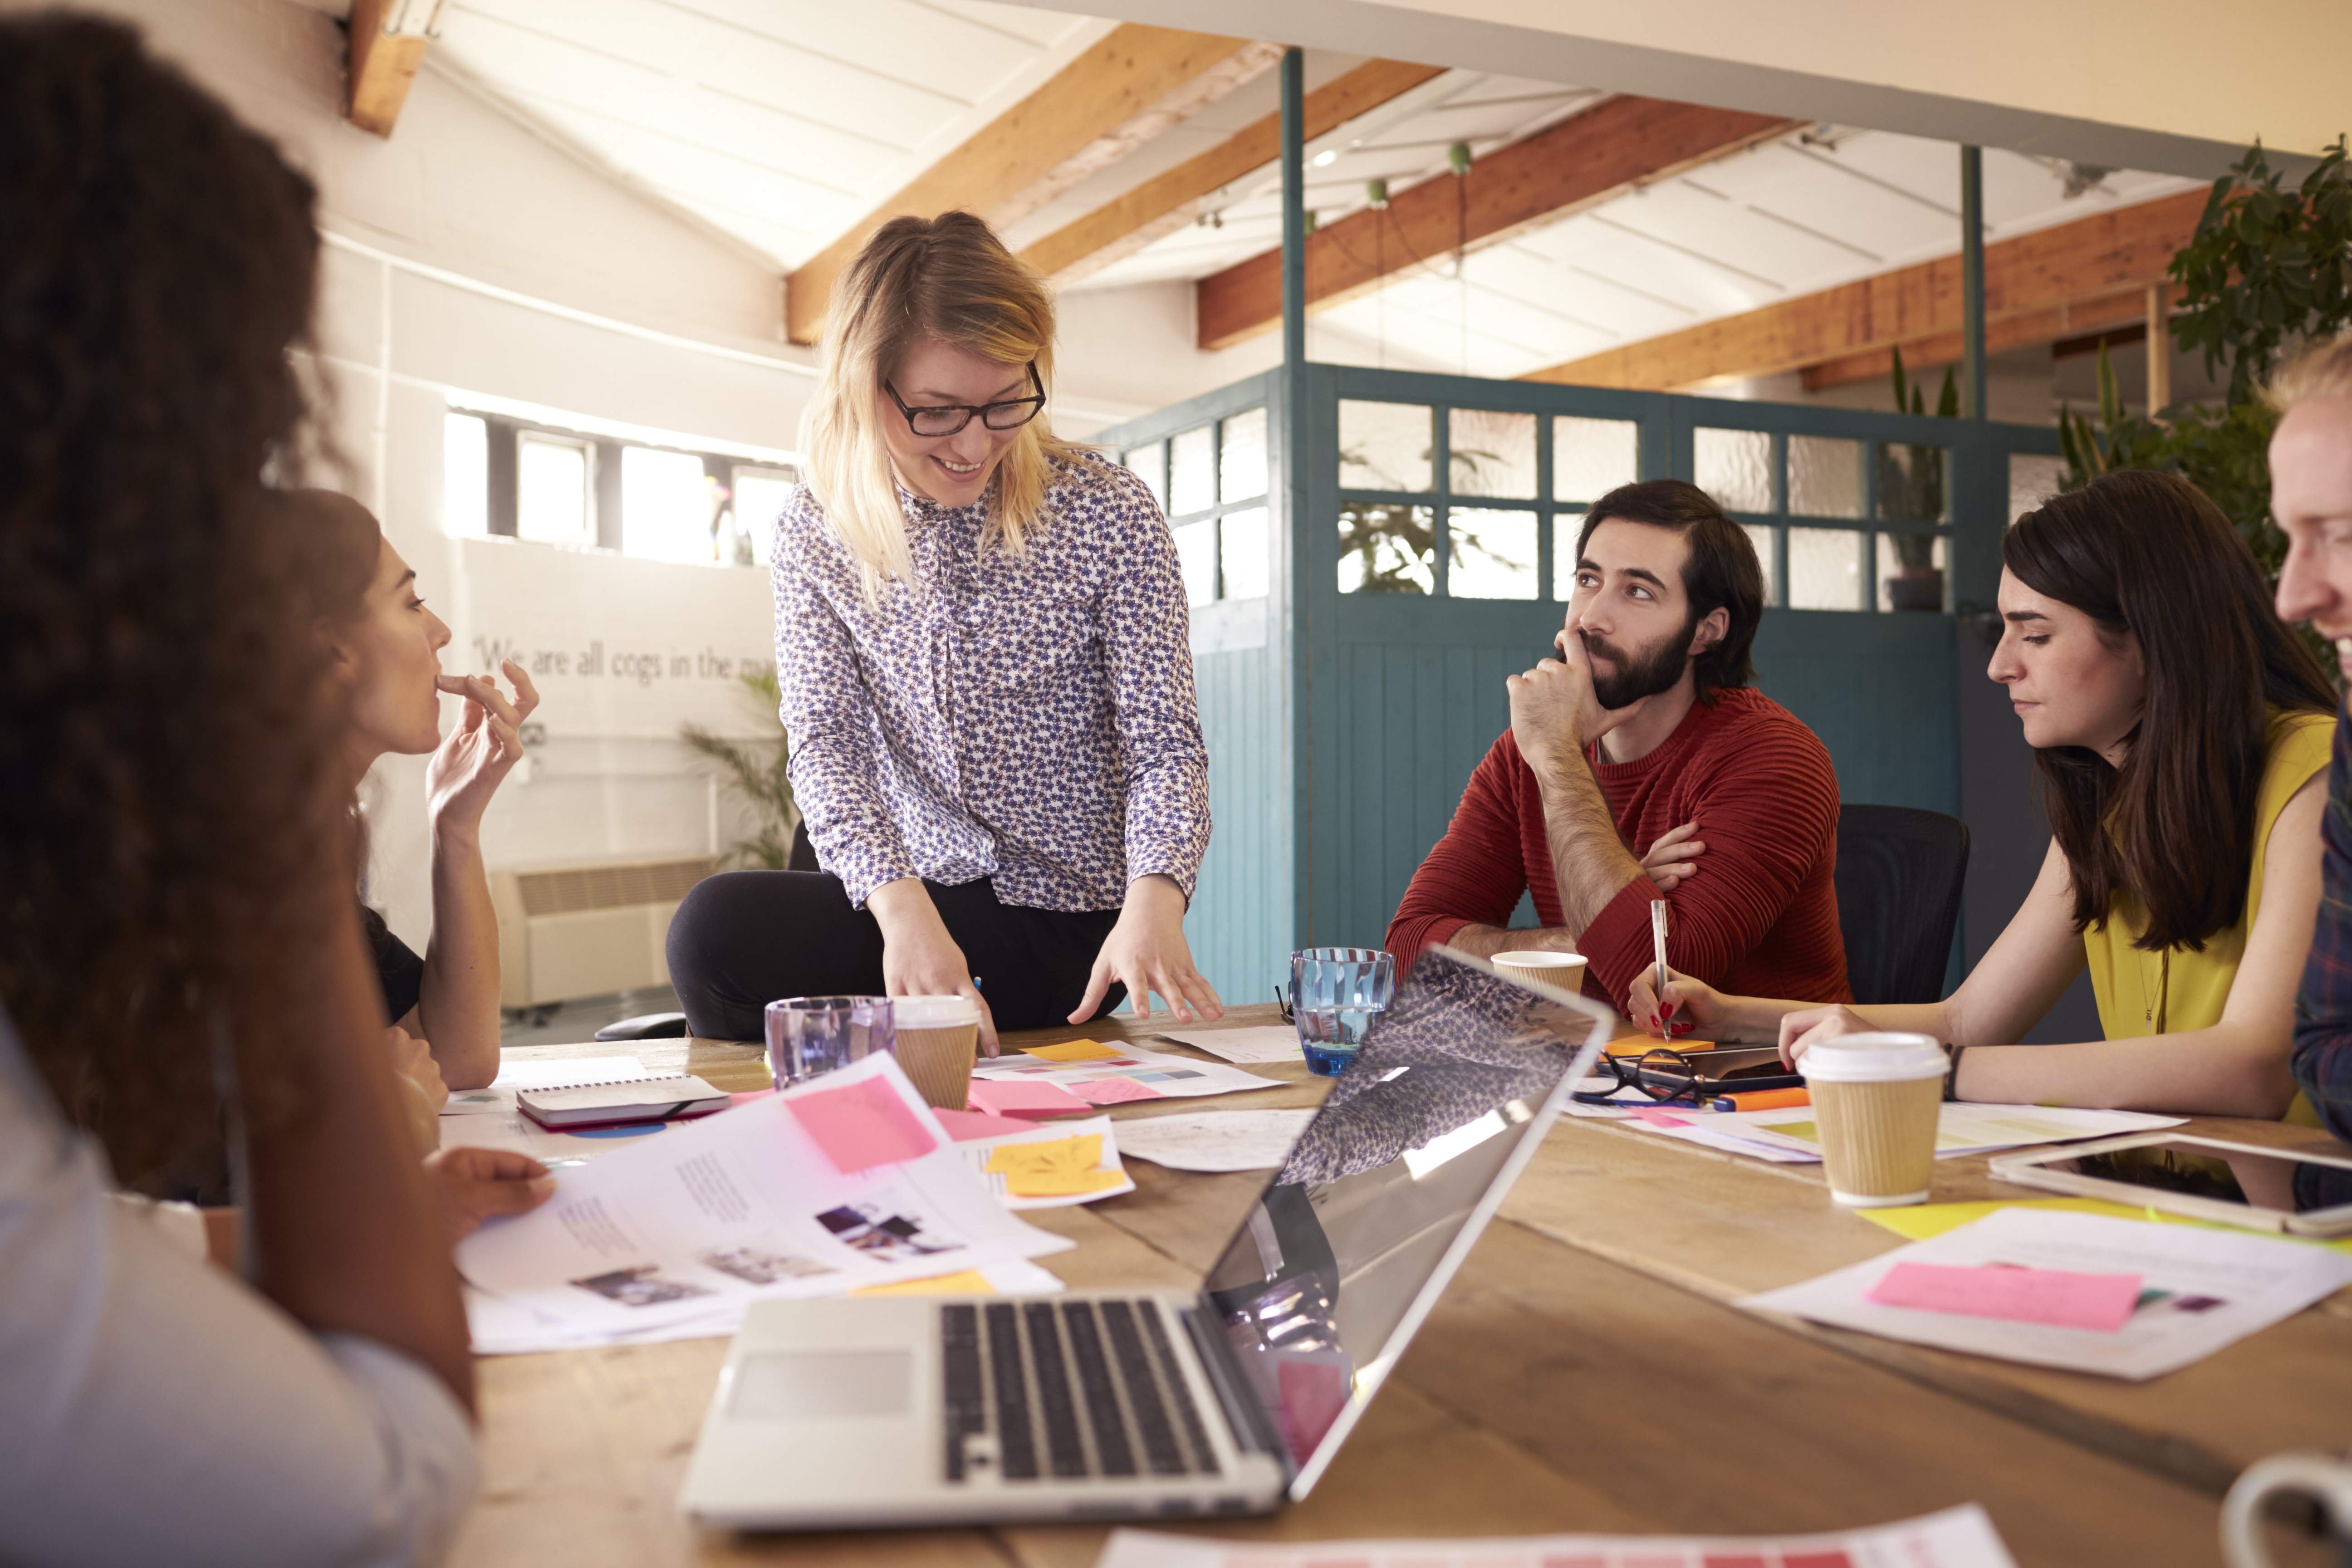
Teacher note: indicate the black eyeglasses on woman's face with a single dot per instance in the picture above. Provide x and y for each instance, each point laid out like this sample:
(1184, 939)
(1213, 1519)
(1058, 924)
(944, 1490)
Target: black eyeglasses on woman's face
(947, 419)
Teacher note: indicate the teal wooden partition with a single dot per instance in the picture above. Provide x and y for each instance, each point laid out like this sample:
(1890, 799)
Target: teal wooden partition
(1350, 668)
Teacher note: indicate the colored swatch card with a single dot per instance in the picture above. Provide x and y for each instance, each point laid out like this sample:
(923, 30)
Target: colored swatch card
(1011, 1097)
(1114, 1090)
(2060, 1298)
(1072, 1051)
(864, 1125)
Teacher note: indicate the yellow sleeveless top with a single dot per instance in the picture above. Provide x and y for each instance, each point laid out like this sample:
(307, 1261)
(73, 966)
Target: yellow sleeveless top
(2179, 990)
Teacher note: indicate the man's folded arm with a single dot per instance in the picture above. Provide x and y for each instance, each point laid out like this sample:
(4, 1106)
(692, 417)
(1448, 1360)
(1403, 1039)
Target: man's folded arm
(1476, 873)
(2323, 1007)
(1765, 822)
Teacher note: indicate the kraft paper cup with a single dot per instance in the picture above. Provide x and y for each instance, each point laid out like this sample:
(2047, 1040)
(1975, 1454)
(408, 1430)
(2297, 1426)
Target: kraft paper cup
(1565, 970)
(1875, 1099)
(937, 1038)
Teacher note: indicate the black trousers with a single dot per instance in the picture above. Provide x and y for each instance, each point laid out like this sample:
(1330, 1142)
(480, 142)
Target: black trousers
(743, 939)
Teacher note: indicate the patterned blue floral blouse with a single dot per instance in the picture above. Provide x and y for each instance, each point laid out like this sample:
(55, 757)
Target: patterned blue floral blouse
(1030, 719)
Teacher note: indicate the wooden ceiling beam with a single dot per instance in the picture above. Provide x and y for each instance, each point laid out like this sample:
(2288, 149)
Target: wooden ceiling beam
(2037, 282)
(2028, 329)
(1613, 148)
(1167, 202)
(381, 64)
(1136, 83)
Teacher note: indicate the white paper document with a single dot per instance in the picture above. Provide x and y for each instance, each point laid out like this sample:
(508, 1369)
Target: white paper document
(1267, 1043)
(1961, 1127)
(1215, 1139)
(1052, 1175)
(1960, 1537)
(2201, 1289)
(1128, 1075)
(845, 1182)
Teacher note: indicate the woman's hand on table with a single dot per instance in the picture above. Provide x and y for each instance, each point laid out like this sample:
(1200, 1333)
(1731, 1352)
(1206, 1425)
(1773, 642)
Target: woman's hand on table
(474, 1184)
(1801, 1030)
(1146, 951)
(918, 957)
(1674, 859)
(1689, 1007)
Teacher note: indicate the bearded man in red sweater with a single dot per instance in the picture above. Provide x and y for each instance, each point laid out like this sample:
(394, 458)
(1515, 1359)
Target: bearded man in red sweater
(1646, 732)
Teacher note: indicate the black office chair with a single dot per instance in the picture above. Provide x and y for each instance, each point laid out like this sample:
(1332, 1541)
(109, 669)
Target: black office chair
(1899, 871)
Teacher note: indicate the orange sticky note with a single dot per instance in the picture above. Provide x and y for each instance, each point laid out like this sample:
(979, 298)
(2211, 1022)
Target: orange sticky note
(1063, 1167)
(864, 1125)
(1071, 1051)
(970, 1282)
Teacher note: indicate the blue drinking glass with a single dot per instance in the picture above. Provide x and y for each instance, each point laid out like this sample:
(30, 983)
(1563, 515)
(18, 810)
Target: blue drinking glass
(810, 1036)
(1334, 993)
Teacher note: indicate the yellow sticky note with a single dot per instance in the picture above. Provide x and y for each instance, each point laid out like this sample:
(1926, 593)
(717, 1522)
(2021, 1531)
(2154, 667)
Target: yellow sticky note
(970, 1282)
(1062, 1168)
(1072, 1051)
(1920, 1221)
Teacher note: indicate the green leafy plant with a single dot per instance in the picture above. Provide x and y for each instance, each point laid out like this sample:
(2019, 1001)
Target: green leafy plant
(753, 773)
(2268, 267)
(1911, 477)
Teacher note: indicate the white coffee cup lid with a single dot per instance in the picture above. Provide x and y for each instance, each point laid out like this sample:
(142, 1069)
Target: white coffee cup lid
(1539, 960)
(932, 1012)
(1876, 1057)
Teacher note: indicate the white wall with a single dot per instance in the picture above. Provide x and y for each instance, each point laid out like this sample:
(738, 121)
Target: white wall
(476, 256)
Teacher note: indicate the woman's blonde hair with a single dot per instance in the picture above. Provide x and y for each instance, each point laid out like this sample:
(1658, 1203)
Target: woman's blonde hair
(2321, 369)
(949, 279)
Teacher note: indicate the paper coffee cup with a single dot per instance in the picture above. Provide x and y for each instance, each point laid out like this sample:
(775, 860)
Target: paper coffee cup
(1875, 1099)
(1540, 963)
(937, 1038)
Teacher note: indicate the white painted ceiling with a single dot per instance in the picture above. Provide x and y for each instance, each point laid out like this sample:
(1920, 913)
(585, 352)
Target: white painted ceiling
(781, 122)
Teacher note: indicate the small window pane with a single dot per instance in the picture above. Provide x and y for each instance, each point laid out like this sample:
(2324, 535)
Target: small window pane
(1387, 548)
(551, 492)
(1242, 551)
(464, 475)
(1911, 572)
(1825, 476)
(1241, 458)
(1735, 467)
(1192, 473)
(1760, 536)
(666, 506)
(1825, 569)
(1151, 464)
(1196, 551)
(1911, 482)
(1589, 458)
(1492, 454)
(1384, 446)
(1494, 555)
(2033, 480)
(761, 496)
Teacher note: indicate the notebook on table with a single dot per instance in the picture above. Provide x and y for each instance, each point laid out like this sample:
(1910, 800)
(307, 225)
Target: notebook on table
(604, 1104)
(1226, 1400)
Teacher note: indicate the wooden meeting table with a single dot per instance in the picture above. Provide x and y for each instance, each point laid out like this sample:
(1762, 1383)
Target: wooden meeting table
(1585, 1372)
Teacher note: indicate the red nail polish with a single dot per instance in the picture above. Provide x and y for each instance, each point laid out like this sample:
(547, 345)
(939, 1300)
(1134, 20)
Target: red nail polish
(1683, 1028)
(1668, 1009)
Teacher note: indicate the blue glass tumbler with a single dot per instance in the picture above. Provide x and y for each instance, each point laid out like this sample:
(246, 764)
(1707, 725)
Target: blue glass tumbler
(810, 1036)
(1334, 993)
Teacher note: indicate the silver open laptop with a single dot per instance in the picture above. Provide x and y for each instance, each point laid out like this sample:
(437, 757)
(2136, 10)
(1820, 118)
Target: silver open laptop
(1227, 1400)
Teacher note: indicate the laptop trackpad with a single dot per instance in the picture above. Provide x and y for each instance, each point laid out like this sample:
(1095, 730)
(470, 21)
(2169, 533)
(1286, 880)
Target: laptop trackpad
(815, 1386)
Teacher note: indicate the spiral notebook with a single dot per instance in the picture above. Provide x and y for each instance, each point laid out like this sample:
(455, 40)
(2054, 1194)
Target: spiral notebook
(645, 1100)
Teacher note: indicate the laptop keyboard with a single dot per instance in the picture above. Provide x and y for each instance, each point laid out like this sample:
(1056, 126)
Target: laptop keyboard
(1069, 1390)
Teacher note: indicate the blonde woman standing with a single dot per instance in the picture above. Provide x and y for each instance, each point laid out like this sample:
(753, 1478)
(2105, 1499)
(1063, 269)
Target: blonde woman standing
(984, 645)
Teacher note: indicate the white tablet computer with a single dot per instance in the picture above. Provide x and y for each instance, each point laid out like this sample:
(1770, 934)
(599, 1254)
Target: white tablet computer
(2290, 1190)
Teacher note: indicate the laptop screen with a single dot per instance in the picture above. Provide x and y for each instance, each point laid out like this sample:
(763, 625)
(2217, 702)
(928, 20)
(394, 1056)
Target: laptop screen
(1349, 1247)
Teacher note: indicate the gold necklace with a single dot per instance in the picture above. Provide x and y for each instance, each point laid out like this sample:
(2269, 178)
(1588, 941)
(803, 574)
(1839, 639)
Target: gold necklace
(2152, 1012)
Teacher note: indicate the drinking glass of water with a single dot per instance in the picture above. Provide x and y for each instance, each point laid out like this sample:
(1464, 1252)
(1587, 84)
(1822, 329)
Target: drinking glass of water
(1334, 992)
(810, 1036)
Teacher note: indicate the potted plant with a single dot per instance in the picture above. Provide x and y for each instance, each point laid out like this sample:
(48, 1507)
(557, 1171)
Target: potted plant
(1911, 490)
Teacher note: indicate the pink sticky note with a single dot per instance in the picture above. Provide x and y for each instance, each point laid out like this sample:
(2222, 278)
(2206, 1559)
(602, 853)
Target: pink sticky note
(2057, 1297)
(965, 1125)
(863, 1125)
(1115, 1091)
(1010, 1097)
(1657, 1118)
(747, 1096)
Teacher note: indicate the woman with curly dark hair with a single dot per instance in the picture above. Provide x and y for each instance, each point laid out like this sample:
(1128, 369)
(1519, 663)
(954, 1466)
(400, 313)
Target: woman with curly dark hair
(2181, 733)
(178, 948)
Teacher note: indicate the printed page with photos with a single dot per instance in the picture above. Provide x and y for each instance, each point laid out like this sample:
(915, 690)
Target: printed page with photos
(845, 1182)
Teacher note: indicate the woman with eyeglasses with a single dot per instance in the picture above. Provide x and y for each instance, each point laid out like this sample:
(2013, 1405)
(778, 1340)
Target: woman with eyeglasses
(983, 645)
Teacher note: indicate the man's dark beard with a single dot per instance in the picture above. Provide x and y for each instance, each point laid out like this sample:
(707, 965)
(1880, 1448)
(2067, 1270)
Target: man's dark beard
(1656, 670)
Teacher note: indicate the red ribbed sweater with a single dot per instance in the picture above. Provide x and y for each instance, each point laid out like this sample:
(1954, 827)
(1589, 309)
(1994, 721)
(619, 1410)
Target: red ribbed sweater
(1759, 919)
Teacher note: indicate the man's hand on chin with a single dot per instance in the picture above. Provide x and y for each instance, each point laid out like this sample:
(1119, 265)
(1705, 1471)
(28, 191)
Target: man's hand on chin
(1554, 711)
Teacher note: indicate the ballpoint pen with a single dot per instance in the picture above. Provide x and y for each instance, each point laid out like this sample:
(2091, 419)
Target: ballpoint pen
(1658, 941)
